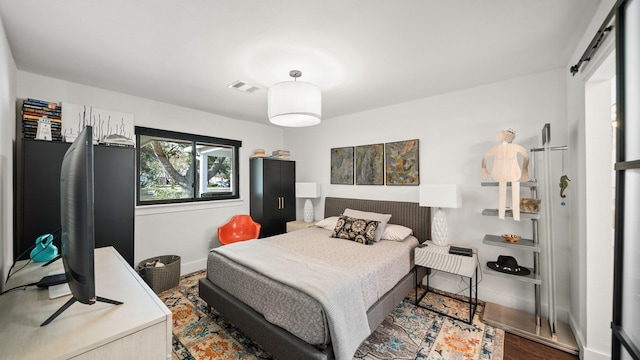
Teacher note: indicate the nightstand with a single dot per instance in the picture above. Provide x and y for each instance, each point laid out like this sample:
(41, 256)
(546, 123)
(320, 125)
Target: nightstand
(298, 225)
(438, 258)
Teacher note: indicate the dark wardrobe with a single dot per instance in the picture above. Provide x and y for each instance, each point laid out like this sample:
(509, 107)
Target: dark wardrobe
(273, 194)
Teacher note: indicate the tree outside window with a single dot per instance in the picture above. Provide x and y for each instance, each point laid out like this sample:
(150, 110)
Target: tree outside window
(177, 167)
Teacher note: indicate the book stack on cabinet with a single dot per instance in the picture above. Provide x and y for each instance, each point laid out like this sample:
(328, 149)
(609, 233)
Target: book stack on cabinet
(33, 110)
(281, 155)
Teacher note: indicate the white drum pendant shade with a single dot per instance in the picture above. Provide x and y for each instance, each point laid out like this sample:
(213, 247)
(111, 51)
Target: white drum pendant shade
(294, 104)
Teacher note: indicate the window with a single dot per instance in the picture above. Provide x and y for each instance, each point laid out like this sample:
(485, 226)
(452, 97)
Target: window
(176, 167)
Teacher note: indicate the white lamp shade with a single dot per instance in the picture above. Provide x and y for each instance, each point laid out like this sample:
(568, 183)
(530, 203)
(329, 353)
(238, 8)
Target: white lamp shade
(440, 196)
(307, 190)
(294, 104)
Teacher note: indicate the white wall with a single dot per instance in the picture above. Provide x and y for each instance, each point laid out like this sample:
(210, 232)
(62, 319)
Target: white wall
(188, 230)
(7, 136)
(455, 130)
(591, 262)
(599, 239)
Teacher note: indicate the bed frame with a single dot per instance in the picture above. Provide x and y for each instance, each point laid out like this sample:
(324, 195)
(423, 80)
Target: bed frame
(283, 345)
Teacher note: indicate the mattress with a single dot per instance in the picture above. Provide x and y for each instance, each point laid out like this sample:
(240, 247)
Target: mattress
(378, 267)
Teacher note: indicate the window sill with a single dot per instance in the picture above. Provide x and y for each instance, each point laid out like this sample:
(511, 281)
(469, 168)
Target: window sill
(145, 210)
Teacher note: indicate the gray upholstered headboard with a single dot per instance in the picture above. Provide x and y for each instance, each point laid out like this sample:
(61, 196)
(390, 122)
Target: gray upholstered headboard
(402, 213)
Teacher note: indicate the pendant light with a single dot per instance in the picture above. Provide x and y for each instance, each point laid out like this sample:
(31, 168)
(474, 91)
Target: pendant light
(294, 103)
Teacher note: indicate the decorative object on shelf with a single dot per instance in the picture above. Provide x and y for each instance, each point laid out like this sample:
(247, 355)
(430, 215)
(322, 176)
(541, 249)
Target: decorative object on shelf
(505, 168)
(402, 162)
(33, 111)
(112, 126)
(564, 183)
(530, 205)
(440, 196)
(44, 249)
(512, 238)
(281, 154)
(342, 165)
(294, 103)
(118, 140)
(44, 129)
(509, 265)
(259, 153)
(308, 191)
(370, 164)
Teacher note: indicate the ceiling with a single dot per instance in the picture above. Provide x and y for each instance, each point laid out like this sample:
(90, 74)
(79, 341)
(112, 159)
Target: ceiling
(363, 54)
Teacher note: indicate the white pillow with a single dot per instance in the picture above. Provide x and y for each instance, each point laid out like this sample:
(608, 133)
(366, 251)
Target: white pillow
(396, 232)
(328, 223)
(382, 218)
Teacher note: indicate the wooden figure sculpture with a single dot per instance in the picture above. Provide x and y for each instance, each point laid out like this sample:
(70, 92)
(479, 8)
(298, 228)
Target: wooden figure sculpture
(506, 168)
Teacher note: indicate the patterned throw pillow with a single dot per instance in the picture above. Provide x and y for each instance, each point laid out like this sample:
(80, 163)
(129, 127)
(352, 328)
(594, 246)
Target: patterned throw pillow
(382, 218)
(359, 230)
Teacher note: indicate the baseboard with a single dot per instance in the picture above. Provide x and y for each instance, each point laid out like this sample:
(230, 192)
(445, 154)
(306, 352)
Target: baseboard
(587, 354)
(193, 266)
(577, 333)
(450, 282)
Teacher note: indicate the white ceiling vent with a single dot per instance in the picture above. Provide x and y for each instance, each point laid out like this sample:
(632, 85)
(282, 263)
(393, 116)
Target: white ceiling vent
(244, 87)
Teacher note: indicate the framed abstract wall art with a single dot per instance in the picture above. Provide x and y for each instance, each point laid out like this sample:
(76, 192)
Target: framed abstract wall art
(370, 164)
(342, 165)
(105, 123)
(402, 163)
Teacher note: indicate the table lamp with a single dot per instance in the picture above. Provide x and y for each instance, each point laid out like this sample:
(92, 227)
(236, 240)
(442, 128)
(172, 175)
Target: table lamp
(307, 191)
(440, 196)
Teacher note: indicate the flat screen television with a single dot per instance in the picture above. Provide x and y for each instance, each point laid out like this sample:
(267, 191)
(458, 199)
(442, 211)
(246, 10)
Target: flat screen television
(77, 222)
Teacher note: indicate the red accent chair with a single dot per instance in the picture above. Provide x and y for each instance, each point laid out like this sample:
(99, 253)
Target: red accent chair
(239, 228)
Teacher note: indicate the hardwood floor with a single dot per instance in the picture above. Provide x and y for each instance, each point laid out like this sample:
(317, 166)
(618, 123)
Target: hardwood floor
(518, 348)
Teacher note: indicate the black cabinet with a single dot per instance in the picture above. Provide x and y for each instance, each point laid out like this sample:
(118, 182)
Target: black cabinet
(273, 194)
(114, 196)
(37, 195)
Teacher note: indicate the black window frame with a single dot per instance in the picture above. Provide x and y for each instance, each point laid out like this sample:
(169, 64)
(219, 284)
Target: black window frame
(194, 139)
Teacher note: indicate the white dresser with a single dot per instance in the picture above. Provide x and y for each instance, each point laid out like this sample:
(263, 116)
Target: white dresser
(140, 328)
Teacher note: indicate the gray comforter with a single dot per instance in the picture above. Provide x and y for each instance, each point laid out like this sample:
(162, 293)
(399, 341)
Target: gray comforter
(347, 320)
(377, 268)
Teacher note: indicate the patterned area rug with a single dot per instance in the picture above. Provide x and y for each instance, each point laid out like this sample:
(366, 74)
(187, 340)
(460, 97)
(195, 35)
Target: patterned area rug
(409, 332)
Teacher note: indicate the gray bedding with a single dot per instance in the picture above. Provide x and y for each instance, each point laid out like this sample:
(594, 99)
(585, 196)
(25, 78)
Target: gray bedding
(347, 320)
(378, 267)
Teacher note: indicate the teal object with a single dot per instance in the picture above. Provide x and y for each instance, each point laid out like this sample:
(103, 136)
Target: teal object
(44, 250)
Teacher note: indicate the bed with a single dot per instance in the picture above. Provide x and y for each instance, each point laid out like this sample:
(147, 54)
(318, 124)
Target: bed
(255, 307)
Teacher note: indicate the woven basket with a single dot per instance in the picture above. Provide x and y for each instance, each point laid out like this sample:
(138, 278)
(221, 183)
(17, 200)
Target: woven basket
(161, 278)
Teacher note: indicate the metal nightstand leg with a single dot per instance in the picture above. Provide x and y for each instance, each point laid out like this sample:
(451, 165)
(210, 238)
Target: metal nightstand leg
(418, 281)
(473, 297)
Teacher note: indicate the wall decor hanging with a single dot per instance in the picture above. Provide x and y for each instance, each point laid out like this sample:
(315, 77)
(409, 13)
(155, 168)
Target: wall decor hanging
(342, 165)
(370, 164)
(402, 163)
(110, 127)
